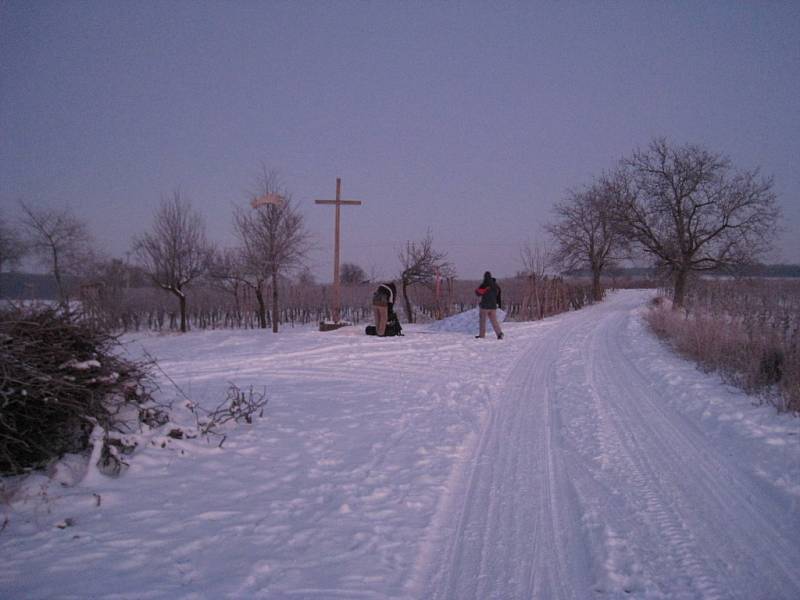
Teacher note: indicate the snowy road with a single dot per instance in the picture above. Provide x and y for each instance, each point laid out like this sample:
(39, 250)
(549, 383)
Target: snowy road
(576, 459)
(586, 483)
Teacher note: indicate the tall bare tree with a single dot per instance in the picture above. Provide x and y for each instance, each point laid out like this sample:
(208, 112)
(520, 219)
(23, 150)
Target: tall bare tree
(273, 236)
(692, 211)
(176, 251)
(585, 233)
(60, 240)
(422, 264)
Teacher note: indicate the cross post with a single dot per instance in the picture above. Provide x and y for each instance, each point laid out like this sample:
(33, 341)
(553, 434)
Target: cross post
(337, 203)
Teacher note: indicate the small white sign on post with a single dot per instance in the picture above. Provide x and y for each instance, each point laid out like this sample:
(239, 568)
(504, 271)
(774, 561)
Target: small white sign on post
(276, 199)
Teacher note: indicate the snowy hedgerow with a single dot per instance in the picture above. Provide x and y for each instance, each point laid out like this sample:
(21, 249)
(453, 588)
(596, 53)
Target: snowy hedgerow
(746, 330)
(59, 380)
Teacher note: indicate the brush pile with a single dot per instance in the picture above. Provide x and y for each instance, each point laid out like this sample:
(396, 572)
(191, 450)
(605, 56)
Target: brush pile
(59, 380)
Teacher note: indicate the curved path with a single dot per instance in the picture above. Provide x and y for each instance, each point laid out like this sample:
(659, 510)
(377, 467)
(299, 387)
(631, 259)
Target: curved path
(586, 483)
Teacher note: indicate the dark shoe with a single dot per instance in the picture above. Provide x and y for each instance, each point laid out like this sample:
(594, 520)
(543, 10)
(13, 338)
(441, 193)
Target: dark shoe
(500, 336)
(479, 337)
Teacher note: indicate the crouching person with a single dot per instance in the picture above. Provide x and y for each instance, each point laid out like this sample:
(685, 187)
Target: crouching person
(382, 305)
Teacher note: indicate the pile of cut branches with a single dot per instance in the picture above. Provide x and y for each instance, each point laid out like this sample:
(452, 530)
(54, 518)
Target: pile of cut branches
(59, 379)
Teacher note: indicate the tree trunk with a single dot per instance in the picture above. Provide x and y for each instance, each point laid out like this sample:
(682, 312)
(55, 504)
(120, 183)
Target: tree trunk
(262, 307)
(531, 294)
(237, 305)
(182, 304)
(62, 296)
(597, 289)
(679, 290)
(543, 305)
(407, 303)
(274, 302)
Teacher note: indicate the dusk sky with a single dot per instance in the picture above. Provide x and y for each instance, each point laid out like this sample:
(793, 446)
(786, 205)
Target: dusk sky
(468, 119)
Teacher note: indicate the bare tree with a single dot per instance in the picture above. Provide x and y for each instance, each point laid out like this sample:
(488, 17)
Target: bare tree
(12, 246)
(274, 239)
(175, 252)
(60, 240)
(536, 258)
(585, 233)
(692, 211)
(422, 264)
(352, 274)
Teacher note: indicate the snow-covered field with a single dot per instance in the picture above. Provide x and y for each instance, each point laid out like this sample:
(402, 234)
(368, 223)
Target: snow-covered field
(577, 458)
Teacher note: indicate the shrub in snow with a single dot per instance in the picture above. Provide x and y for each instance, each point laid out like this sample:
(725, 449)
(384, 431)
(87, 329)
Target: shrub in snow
(60, 381)
(747, 331)
(238, 406)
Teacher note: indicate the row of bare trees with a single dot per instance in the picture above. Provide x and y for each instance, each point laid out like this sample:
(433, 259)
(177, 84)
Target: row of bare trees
(272, 243)
(173, 254)
(304, 302)
(686, 208)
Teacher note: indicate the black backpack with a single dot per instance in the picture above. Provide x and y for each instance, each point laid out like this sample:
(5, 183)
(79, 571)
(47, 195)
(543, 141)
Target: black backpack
(393, 326)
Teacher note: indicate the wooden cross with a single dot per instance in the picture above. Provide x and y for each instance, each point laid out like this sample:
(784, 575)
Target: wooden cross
(338, 203)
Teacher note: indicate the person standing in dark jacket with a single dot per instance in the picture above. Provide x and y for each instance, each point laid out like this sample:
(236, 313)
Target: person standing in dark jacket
(491, 299)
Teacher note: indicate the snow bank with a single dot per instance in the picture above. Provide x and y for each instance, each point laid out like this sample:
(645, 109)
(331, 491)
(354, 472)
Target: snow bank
(633, 474)
(465, 322)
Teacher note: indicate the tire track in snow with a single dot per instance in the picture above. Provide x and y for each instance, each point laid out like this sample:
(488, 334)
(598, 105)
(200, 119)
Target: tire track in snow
(686, 512)
(733, 496)
(646, 482)
(585, 482)
(513, 534)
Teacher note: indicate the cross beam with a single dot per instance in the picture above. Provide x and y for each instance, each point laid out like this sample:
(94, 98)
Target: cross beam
(337, 203)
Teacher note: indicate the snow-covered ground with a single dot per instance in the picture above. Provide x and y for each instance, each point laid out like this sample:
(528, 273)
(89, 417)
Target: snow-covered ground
(577, 458)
